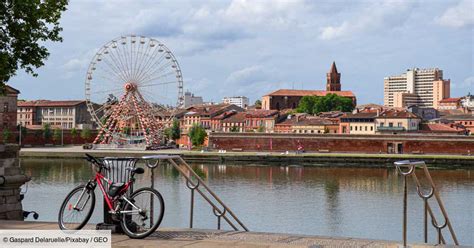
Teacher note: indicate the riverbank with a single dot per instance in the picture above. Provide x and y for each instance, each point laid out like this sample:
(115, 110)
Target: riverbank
(305, 159)
(167, 237)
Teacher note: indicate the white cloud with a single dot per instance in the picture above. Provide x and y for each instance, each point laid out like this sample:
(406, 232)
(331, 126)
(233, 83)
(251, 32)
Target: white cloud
(375, 16)
(251, 73)
(458, 16)
(467, 83)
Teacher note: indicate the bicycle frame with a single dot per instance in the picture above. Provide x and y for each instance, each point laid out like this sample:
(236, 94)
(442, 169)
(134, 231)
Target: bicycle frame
(108, 199)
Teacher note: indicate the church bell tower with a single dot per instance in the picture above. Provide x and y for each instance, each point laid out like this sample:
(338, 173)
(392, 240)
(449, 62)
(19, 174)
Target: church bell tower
(333, 79)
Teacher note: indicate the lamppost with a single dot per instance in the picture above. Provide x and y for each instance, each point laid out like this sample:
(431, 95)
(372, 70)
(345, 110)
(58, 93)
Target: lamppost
(62, 135)
(19, 141)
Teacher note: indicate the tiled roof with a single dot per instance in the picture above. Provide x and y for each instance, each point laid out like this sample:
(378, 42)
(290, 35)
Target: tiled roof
(224, 115)
(11, 90)
(260, 113)
(304, 120)
(450, 100)
(312, 122)
(439, 127)
(286, 92)
(392, 113)
(459, 117)
(238, 117)
(48, 103)
(361, 115)
(207, 109)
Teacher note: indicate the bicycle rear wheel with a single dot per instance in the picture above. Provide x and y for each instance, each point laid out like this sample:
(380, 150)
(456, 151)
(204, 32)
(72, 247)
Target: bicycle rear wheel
(142, 213)
(76, 209)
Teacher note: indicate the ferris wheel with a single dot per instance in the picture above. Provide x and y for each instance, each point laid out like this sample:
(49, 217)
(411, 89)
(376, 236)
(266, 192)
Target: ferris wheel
(133, 87)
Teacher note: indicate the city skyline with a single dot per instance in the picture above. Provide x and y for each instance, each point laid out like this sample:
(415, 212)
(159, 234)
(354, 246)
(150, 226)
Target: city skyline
(250, 49)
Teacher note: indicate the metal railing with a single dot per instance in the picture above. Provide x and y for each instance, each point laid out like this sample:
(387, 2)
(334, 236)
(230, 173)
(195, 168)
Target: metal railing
(221, 212)
(407, 168)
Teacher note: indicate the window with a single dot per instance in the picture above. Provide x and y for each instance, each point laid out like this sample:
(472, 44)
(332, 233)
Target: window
(390, 124)
(365, 128)
(356, 128)
(381, 124)
(400, 124)
(372, 128)
(351, 128)
(5, 107)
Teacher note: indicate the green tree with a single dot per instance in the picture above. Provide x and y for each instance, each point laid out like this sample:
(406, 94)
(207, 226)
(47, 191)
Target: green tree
(197, 134)
(261, 129)
(234, 129)
(47, 132)
(27, 25)
(175, 130)
(6, 135)
(86, 133)
(258, 104)
(127, 130)
(56, 134)
(330, 102)
(167, 133)
(74, 134)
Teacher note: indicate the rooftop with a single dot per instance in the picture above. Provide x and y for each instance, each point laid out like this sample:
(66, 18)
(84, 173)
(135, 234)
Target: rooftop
(260, 113)
(439, 127)
(393, 113)
(238, 117)
(288, 92)
(450, 100)
(49, 103)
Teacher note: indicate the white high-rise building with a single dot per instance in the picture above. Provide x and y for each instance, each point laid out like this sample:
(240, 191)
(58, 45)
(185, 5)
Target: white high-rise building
(240, 101)
(422, 87)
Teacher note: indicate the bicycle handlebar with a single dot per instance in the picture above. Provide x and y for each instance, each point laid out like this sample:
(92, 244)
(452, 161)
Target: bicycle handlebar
(95, 161)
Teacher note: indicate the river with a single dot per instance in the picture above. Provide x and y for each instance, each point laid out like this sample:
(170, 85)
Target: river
(344, 201)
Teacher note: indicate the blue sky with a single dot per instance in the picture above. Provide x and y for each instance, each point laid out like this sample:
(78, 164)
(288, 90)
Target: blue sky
(251, 48)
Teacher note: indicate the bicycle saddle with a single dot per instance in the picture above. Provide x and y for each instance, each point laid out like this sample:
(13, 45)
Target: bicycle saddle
(136, 170)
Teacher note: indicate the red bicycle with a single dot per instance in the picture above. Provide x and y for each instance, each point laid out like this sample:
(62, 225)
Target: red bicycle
(139, 214)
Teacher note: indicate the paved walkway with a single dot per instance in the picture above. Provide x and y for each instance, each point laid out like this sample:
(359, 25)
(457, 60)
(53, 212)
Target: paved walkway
(194, 238)
(78, 152)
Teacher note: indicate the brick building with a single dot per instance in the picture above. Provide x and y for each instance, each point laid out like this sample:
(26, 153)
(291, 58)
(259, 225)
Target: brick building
(396, 121)
(449, 103)
(306, 124)
(358, 123)
(234, 123)
(60, 114)
(289, 99)
(204, 114)
(261, 120)
(8, 106)
(467, 120)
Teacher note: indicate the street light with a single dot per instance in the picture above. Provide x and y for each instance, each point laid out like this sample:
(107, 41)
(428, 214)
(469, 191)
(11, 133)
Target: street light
(20, 135)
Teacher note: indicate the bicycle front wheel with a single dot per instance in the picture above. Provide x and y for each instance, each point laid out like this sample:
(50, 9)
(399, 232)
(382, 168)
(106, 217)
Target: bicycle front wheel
(142, 213)
(76, 209)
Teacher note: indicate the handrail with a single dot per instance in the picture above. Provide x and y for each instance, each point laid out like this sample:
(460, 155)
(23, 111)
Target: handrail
(176, 160)
(410, 169)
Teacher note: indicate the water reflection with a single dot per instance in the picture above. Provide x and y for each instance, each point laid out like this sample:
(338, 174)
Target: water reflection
(352, 202)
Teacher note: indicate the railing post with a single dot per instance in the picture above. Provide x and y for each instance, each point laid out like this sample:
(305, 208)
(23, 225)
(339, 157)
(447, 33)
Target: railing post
(405, 211)
(411, 169)
(152, 166)
(219, 215)
(425, 198)
(191, 207)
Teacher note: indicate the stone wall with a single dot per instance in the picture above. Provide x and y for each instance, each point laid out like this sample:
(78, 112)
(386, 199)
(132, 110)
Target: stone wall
(427, 144)
(11, 179)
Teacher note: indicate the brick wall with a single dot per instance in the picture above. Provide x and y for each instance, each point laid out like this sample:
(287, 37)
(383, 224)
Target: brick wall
(11, 179)
(36, 139)
(343, 143)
